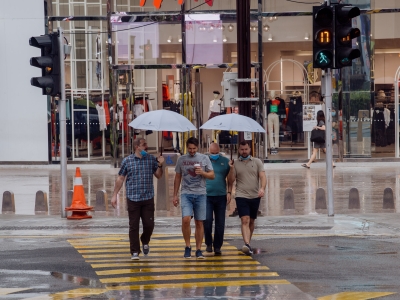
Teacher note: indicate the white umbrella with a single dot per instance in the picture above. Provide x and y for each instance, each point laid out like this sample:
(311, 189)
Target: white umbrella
(162, 120)
(233, 122)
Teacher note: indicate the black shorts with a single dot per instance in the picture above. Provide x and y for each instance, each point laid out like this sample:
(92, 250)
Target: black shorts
(248, 207)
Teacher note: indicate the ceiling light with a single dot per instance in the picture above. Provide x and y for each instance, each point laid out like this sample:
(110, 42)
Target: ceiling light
(169, 40)
(270, 37)
(211, 27)
(215, 39)
(224, 39)
(306, 37)
(275, 18)
(179, 39)
(271, 19)
(222, 27)
(230, 28)
(265, 27)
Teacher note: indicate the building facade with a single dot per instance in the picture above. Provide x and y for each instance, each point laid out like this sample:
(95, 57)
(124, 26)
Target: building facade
(127, 59)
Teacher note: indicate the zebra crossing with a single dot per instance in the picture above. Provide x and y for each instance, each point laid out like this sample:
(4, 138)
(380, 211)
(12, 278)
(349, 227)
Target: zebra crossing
(166, 268)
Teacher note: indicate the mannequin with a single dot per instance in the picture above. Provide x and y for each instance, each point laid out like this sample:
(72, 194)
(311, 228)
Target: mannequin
(273, 125)
(176, 107)
(213, 111)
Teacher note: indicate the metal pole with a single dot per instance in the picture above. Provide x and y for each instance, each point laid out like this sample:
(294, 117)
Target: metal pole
(327, 80)
(260, 77)
(244, 67)
(63, 128)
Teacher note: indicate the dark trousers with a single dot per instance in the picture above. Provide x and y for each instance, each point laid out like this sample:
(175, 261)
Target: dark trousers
(136, 210)
(216, 205)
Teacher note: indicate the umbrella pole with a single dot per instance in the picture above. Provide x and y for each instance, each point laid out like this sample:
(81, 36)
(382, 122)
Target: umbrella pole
(231, 147)
(161, 144)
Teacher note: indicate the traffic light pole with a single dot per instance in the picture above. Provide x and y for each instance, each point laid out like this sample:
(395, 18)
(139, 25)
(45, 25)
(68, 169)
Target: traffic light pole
(63, 127)
(327, 82)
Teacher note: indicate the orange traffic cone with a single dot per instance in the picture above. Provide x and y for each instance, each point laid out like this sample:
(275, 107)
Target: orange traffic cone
(78, 207)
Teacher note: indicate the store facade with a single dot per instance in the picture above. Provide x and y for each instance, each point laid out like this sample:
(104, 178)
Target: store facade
(127, 59)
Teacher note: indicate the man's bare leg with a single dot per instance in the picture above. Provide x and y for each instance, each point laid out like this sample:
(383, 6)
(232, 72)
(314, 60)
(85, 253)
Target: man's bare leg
(246, 232)
(199, 234)
(186, 231)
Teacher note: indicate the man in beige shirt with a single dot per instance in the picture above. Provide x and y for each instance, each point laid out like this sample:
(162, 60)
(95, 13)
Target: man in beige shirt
(250, 187)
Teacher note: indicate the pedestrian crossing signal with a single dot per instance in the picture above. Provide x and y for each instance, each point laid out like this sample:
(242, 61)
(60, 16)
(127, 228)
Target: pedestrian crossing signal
(323, 32)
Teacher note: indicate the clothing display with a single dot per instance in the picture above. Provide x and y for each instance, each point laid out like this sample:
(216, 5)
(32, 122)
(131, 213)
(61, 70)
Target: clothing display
(295, 117)
(215, 108)
(273, 130)
(102, 117)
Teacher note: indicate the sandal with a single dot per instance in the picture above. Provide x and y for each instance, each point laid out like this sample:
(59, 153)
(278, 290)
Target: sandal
(305, 166)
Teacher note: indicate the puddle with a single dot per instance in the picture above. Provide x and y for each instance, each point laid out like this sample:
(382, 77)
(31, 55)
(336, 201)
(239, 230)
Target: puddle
(77, 279)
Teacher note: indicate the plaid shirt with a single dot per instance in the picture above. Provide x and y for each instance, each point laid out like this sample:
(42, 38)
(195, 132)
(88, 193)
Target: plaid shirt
(139, 176)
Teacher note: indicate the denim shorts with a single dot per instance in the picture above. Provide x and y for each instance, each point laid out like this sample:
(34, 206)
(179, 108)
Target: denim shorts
(194, 205)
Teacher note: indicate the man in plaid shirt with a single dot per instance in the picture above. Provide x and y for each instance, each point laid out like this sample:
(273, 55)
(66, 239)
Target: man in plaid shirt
(139, 168)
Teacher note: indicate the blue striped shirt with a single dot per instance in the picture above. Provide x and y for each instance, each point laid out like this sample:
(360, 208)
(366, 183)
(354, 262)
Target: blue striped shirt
(139, 176)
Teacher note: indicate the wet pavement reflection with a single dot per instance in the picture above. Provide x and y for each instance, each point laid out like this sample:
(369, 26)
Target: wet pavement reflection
(371, 179)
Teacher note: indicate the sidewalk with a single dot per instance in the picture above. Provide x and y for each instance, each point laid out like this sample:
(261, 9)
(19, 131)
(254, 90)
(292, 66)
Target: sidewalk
(311, 225)
(369, 178)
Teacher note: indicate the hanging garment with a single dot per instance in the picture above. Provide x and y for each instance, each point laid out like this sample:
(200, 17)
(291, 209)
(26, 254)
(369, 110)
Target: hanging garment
(165, 93)
(102, 117)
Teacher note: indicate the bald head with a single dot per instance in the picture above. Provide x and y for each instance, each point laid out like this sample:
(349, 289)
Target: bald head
(214, 148)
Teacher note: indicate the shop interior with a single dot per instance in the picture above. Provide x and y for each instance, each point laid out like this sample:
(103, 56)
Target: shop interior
(289, 82)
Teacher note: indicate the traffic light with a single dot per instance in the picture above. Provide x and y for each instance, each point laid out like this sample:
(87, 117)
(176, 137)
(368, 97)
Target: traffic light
(323, 31)
(344, 33)
(49, 62)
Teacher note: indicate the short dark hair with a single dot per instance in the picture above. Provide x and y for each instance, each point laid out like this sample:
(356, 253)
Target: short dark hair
(136, 142)
(192, 141)
(244, 143)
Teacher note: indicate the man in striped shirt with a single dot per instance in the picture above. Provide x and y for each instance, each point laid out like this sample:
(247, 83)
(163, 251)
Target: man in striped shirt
(138, 169)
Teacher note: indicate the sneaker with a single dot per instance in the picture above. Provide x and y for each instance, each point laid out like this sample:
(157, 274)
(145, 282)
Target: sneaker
(146, 249)
(259, 213)
(235, 213)
(246, 249)
(217, 252)
(135, 256)
(188, 253)
(209, 249)
(199, 254)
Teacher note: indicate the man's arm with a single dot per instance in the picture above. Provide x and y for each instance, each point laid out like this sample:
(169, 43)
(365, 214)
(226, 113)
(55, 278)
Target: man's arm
(232, 174)
(118, 184)
(177, 183)
(206, 174)
(263, 182)
(159, 172)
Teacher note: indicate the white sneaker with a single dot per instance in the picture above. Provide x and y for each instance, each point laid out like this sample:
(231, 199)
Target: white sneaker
(135, 256)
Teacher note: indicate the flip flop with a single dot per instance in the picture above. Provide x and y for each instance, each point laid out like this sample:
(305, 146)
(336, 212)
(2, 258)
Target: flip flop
(305, 166)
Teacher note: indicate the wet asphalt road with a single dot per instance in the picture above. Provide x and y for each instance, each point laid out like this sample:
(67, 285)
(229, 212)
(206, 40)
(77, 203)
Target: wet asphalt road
(328, 265)
(318, 266)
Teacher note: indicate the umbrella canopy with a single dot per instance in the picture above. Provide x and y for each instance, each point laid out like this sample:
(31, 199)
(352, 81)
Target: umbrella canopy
(162, 120)
(233, 122)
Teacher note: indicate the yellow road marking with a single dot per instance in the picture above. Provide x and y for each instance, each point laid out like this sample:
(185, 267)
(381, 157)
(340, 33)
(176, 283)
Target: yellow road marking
(183, 269)
(125, 241)
(174, 259)
(152, 250)
(170, 254)
(6, 291)
(177, 263)
(184, 277)
(197, 284)
(356, 295)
